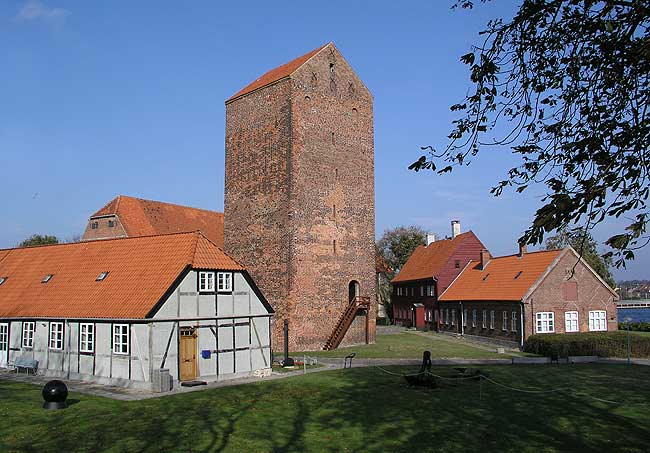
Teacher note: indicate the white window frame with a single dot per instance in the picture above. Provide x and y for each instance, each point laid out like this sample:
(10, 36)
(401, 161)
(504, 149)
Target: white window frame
(513, 322)
(598, 321)
(86, 337)
(4, 336)
(571, 321)
(55, 336)
(491, 319)
(453, 316)
(206, 282)
(224, 282)
(484, 319)
(545, 322)
(474, 317)
(27, 337)
(465, 317)
(504, 327)
(120, 331)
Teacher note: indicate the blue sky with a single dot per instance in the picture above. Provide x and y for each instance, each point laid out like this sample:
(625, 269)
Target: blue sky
(106, 98)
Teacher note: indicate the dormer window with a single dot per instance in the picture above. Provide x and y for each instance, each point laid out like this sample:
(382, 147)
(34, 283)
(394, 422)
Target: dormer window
(47, 278)
(94, 225)
(101, 276)
(111, 223)
(3, 279)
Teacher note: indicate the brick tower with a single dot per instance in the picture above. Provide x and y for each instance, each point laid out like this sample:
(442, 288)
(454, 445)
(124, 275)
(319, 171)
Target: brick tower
(299, 197)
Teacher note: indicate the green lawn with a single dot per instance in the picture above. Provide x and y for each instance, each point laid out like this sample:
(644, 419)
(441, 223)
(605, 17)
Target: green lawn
(362, 409)
(410, 346)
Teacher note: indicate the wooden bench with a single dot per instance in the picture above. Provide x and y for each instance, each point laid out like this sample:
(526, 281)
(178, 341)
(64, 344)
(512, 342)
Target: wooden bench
(27, 364)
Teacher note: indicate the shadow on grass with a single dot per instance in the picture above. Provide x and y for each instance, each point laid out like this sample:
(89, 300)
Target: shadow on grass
(354, 410)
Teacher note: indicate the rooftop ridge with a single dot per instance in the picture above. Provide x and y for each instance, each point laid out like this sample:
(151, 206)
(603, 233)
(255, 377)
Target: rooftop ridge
(119, 197)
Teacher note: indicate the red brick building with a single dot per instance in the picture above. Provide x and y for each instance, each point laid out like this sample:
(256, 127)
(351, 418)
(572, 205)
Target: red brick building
(512, 297)
(299, 197)
(427, 274)
(133, 217)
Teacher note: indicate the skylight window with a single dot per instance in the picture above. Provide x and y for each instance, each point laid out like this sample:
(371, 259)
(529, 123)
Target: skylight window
(3, 279)
(101, 277)
(518, 274)
(47, 278)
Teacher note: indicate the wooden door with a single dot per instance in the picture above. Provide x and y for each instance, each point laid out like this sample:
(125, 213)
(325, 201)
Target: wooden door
(188, 354)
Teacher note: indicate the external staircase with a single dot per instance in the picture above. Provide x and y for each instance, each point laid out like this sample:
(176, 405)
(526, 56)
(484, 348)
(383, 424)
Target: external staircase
(344, 322)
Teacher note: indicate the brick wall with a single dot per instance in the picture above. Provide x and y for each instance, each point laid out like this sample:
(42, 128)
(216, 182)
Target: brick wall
(550, 297)
(293, 189)
(103, 230)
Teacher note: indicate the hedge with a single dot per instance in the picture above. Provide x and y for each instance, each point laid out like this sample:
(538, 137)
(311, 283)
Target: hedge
(636, 326)
(602, 344)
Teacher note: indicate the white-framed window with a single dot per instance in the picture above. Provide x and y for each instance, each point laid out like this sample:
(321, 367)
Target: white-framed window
(492, 319)
(505, 321)
(484, 319)
(56, 335)
(430, 291)
(206, 282)
(453, 317)
(465, 317)
(474, 318)
(4, 337)
(120, 338)
(87, 337)
(513, 321)
(447, 316)
(545, 322)
(224, 282)
(28, 334)
(571, 321)
(598, 320)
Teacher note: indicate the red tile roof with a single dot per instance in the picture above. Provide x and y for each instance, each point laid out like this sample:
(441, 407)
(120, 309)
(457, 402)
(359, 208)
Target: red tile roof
(276, 74)
(146, 218)
(497, 281)
(141, 270)
(427, 260)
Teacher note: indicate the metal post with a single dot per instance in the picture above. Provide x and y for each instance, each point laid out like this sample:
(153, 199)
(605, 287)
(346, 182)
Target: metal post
(288, 361)
(628, 343)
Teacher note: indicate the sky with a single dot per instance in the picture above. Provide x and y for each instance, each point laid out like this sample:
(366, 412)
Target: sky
(105, 98)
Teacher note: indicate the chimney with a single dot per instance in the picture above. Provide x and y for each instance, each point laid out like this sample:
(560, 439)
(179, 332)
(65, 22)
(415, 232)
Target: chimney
(455, 228)
(523, 249)
(431, 237)
(485, 258)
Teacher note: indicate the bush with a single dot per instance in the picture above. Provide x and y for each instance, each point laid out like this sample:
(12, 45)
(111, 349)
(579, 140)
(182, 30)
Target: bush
(636, 326)
(602, 344)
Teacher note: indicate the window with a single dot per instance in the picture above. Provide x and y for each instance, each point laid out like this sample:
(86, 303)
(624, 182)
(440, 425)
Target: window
(545, 322)
(465, 317)
(412, 291)
(56, 335)
(47, 278)
(447, 316)
(121, 339)
(87, 338)
(224, 280)
(421, 291)
(598, 320)
(484, 319)
(505, 321)
(3, 279)
(491, 319)
(430, 290)
(101, 276)
(28, 334)
(453, 317)
(474, 318)
(457, 264)
(513, 321)
(334, 246)
(94, 225)
(206, 281)
(4, 337)
(111, 223)
(571, 321)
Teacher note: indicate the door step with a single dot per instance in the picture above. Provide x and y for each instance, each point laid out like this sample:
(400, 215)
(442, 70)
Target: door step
(193, 383)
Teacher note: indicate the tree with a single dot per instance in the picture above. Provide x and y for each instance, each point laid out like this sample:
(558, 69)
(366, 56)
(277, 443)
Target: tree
(583, 243)
(37, 239)
(396, 245)
(566, 85)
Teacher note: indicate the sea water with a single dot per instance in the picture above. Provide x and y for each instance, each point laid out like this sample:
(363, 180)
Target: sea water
(636, 314)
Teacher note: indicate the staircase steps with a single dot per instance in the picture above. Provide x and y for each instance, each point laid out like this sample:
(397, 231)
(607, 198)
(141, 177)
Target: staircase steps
(344, 322)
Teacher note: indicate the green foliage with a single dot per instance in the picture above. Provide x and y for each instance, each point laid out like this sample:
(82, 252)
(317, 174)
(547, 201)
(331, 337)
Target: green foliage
(635, 326)
(397, 245)
(566, 85)
(583, 243)
(37, 239)
(602, 344)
